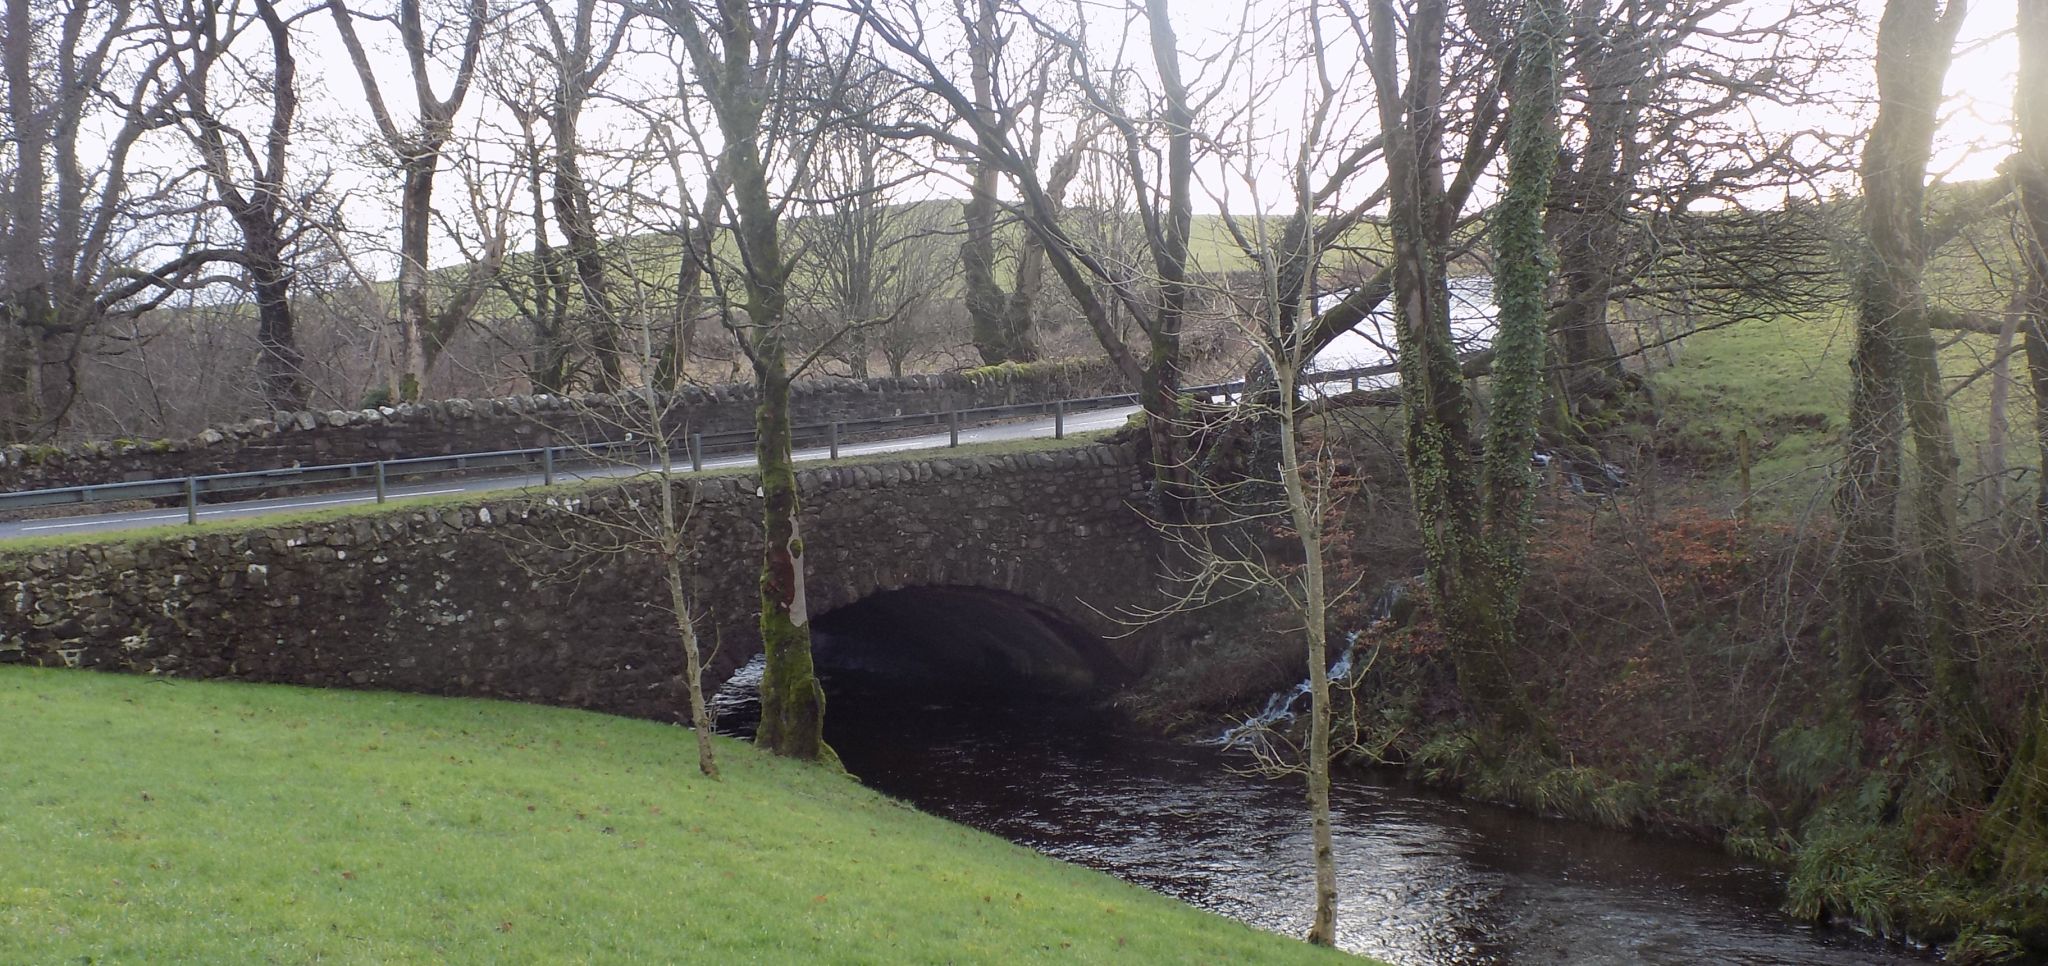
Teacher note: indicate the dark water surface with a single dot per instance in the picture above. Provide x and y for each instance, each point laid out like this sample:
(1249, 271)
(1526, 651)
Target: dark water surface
(1423, 879)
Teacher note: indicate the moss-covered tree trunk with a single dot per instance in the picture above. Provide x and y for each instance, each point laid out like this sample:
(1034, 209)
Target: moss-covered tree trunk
(1522, 274)
(1942, 590)
(792, 703)
(734, 57)
(1893, 362)
(2030, 114)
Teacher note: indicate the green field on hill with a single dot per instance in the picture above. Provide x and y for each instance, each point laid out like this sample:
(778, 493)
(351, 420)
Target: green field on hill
(1786, 381)
(150, 820)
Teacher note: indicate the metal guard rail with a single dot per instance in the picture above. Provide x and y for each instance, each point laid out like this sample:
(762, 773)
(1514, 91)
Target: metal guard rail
(191, 489)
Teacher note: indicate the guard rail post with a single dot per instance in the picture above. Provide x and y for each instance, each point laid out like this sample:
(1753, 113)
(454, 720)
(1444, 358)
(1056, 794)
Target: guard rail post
(191, 499)
(953, 427)
(835, 440)
(1059, 419)
(380, 481)
(697, 452)
(547, 466)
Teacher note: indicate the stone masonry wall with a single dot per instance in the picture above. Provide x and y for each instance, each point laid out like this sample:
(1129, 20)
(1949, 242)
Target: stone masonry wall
(523, 422)
(493, 599)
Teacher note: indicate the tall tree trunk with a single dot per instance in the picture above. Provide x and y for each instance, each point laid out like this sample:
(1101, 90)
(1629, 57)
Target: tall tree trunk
(978, 248)
(1472, 512)
(1592, 201)
(1160, 387)
(575, 217)
(1308, 528)
(2030, 112)
(419, 157)
(792, 703)
(25, 309)
(1942, 590)
(978, 264)
(1893, 354)
(1522, 277)
(672, 544)
(415, 208)
(280, 366)
(1996, 442)
(693, 658)
(731, 73)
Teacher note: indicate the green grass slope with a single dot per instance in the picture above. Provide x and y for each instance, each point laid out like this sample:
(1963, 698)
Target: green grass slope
(1786, 381)
(148, 820)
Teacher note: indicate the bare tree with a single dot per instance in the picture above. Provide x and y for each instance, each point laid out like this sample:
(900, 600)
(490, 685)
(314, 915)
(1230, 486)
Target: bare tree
(90, 236)
(1663, 100)
(631, 524)
(249, 172)
(1155, 146)
(416, 151)
(869, 263)
(1008, 97)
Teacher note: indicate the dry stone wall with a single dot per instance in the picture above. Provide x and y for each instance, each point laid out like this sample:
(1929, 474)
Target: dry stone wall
(452, 426)
(507, 599)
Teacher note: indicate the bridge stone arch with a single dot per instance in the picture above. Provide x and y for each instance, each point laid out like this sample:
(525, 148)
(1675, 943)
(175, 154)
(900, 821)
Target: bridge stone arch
(1051, 537)
(968, 638)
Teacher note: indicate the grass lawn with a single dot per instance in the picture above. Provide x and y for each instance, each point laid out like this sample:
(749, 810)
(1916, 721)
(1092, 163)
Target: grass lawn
(178, 821)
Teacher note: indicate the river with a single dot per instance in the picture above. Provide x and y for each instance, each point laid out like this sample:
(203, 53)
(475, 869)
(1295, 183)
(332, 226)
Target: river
(1424, 878)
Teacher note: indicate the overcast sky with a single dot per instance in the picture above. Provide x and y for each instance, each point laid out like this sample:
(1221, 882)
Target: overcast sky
(1975, 137)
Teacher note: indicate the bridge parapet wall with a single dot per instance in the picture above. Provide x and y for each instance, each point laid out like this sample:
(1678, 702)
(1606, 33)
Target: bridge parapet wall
(450, 426)
(507, 598)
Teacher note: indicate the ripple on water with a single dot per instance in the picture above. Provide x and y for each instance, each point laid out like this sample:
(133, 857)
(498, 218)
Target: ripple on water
(1423, 880)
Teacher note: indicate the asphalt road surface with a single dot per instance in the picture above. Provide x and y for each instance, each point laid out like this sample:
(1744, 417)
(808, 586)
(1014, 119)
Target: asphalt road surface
(1029, 429)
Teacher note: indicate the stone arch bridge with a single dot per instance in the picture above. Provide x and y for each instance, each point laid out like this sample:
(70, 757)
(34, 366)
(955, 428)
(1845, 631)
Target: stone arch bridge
(1020, 565)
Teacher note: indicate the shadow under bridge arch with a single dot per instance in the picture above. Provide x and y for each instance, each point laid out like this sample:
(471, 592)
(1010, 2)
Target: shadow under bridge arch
(965, 639)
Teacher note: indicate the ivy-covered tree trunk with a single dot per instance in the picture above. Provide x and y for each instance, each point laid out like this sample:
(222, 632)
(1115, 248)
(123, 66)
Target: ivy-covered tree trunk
(1522, 273)
(1473, 512)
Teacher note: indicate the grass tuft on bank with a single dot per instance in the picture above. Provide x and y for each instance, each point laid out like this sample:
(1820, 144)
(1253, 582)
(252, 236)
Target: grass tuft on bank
(175, 821)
